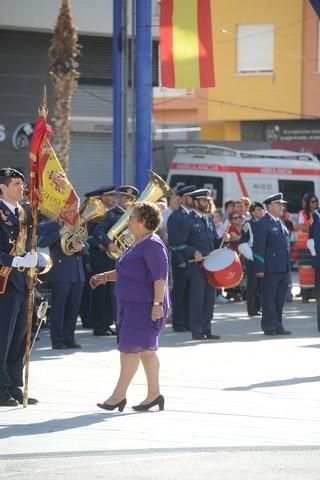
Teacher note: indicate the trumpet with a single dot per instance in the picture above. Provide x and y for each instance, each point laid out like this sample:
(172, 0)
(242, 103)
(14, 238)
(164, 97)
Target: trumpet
(119, 233)
(91, 209)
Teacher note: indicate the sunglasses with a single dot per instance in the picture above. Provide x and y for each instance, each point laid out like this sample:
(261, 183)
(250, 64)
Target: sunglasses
(235, 218)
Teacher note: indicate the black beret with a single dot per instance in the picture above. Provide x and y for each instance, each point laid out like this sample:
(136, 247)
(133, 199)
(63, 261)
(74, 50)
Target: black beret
(186, 190)
(107, 189)
(276, 198)
(128, 190)
(11, 173)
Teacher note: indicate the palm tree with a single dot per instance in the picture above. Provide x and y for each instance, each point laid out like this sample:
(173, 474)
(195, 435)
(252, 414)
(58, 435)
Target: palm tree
(64, 72)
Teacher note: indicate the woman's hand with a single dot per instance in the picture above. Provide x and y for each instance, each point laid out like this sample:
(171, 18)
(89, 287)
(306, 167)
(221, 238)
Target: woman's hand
(157, 312)
(98, 279)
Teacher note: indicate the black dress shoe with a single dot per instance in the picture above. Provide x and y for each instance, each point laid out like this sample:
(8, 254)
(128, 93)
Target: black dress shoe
(179, 329)
(143, 407)
(283, 332)
(120, 405)
(72, 344)
(58, 346)
(7, 401)
(17, 394)
(102, 333)
(199, 336)
(270, 333)
(210, 336)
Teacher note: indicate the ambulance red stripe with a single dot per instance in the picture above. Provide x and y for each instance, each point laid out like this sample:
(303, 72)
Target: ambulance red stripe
(242, 170)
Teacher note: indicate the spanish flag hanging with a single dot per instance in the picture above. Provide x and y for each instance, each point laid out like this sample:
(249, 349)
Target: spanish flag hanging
(50, 189)
(186, 44)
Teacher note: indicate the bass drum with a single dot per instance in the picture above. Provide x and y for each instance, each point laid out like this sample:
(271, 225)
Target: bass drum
(223, 268)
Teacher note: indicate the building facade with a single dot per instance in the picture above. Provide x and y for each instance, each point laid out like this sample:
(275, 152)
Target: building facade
(25, 39)
(267, 64)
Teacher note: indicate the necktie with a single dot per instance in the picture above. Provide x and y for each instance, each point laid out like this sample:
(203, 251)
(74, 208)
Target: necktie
(16, 212)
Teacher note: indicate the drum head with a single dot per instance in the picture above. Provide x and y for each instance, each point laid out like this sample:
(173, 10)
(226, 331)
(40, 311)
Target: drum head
(219, 259)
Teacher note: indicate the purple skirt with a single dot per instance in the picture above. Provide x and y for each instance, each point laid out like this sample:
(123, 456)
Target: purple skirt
(137, 331)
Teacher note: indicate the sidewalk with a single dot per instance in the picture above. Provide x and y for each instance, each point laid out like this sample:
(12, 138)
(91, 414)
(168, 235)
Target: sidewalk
(244, 393)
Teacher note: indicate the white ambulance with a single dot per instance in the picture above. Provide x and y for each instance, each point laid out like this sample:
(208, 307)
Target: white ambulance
(231, 173)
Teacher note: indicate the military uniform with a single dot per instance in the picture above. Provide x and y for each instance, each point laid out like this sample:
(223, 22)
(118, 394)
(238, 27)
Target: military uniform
(314, 236)
(86, 301)
(179, 266)
(15, 233)
(66, 278)
(199, 234)
(271, 256)
(253, 293)
(103, 301)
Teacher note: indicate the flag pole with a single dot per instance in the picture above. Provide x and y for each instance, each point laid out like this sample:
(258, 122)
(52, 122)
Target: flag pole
(42, 112)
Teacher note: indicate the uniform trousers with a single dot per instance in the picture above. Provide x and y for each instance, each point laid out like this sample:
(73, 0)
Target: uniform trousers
(13, 308)
(253, 294)
(274, 294)
(86, 303)
(179, 297)
(65, 307)
(103, 307)
(201, 301)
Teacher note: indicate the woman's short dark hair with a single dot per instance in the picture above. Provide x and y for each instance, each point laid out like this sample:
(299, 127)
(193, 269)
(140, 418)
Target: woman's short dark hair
(149, 214)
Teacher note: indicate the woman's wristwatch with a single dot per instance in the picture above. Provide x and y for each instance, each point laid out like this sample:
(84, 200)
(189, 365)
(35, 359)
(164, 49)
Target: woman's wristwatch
(157, 304)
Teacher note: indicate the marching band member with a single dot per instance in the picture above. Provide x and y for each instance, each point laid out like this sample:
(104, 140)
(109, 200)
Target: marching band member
(314, 247)
(253, 295)
(103, 302)
(179, 266)
(271, 258)
(14, 241)
(67, 279)
(198, 239)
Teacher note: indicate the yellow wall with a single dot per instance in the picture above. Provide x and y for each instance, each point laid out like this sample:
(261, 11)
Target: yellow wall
(229, 131)
(274, 93)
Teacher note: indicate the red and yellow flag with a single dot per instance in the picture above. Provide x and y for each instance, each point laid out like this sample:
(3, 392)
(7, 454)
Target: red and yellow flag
(49, 187)
(186, 44)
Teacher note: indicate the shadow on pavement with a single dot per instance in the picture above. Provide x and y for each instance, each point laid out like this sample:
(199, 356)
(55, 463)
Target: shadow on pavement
(275, 383)
(58, 424)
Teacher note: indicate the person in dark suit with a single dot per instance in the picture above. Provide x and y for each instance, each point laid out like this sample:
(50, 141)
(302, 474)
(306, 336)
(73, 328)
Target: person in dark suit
(103, 301)
(14, 261)
(199, 238)
(66, 278)
(179, 266)
(314, 247)
(253, 293)
(271, 258)
(107, 194)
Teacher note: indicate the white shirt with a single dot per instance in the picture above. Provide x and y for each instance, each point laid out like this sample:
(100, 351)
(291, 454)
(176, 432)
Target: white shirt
(10, 206)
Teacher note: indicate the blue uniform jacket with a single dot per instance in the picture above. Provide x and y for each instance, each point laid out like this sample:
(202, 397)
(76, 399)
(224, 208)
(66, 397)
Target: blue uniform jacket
(271, 246)
(314, 233)
(174, 227)
(99, 258)
(197, 234)
(66, 268)
(9, 230)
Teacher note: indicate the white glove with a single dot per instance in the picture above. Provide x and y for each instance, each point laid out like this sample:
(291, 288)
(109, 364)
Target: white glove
(28, 261)
(310, 245)
(246, 251)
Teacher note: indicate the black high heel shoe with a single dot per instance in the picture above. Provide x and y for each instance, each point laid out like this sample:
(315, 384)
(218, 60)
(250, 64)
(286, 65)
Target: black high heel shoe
(146, 406)
(120, 405)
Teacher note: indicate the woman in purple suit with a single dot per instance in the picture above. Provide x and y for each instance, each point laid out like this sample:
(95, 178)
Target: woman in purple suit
(141, 290)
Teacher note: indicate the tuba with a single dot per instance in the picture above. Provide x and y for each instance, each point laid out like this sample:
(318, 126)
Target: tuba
(92, 208)
(119, 233)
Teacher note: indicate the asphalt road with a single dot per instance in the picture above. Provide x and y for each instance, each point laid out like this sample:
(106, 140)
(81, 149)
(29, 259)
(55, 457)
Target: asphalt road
(245, 407)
